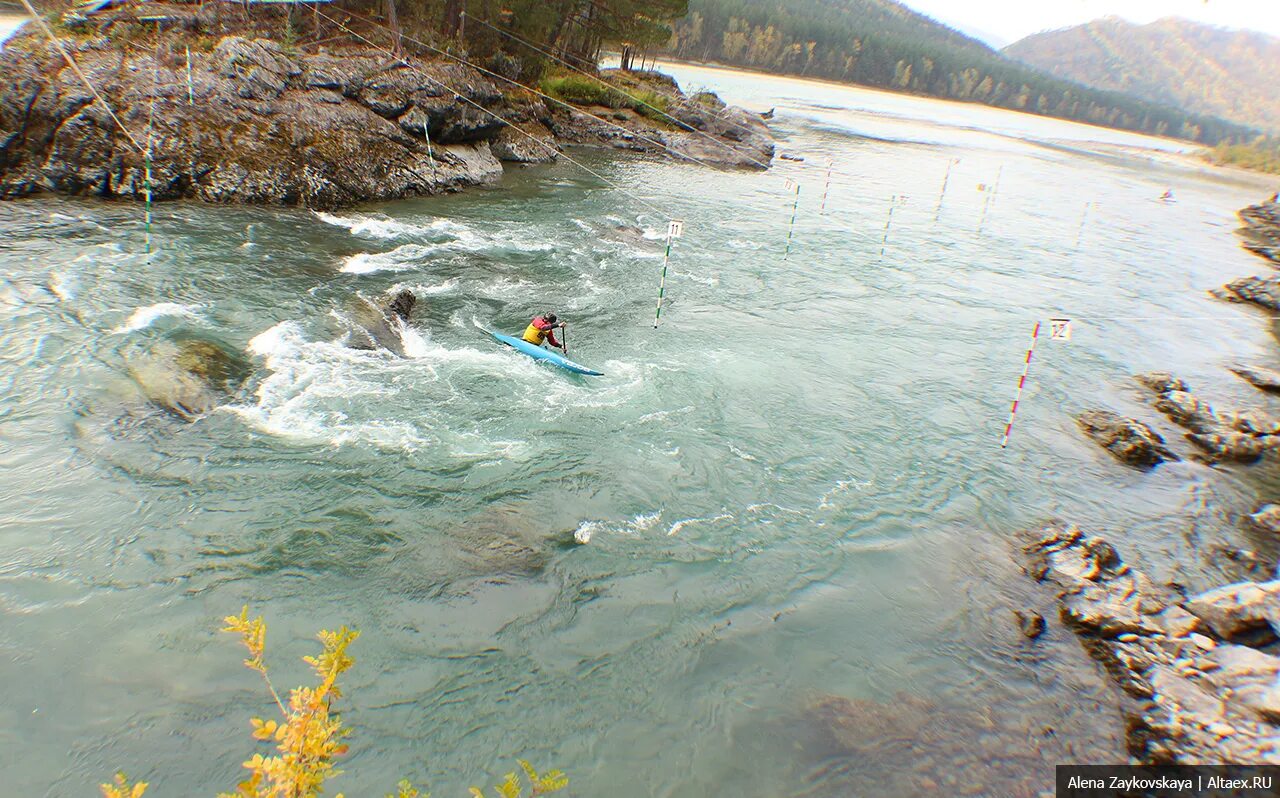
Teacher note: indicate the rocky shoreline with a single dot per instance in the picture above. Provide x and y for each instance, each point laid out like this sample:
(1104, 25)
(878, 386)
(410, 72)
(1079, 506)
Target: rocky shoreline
(254, 120)
(1200, 674)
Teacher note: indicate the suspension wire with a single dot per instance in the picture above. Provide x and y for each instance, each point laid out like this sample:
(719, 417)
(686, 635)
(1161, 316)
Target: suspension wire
(71, 62)
(526, 134)
(601, 81)
(544, 95)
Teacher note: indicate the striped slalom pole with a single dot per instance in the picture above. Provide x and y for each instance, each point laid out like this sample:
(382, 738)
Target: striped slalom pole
(830, 166)
(674, 230)
(1084, 217)
(1022, 381)
(146, 192)
(937, 214)
(792, 229)
(191, 91)
(884, 240)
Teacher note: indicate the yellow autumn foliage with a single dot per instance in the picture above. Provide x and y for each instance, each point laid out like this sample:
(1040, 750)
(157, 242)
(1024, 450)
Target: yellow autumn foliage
(308, 737)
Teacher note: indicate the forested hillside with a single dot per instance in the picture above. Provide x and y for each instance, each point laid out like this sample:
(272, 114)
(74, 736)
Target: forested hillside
(881, 43)
(1228, 73)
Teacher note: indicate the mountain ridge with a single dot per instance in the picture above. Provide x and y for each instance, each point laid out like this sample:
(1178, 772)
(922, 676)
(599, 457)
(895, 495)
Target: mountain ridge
(1226, 72)
(884, 44)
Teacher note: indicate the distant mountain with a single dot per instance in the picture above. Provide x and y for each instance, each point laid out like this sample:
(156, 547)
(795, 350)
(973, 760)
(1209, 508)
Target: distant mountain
(884, 44)
(1228, 73)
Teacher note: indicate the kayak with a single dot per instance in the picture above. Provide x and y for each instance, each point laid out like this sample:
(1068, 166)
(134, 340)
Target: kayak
(546, 355)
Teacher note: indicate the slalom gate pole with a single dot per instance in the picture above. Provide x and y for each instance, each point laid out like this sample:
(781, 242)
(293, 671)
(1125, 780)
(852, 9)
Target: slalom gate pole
(675, 229)
(1022, 381)
(830, 165)
(943, 193)
(792, 229)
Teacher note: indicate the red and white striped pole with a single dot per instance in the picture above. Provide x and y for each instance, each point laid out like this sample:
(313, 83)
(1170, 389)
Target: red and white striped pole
(1022, 381)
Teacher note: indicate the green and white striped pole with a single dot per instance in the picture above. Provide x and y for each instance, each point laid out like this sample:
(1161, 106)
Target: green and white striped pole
(674, 230)
(146, 193)
(794, 209)
(191, 91)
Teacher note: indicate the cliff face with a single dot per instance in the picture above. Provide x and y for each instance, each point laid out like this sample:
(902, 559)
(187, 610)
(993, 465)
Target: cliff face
(255, 122)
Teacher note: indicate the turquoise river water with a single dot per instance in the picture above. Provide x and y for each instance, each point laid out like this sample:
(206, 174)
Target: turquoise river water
(798, 575)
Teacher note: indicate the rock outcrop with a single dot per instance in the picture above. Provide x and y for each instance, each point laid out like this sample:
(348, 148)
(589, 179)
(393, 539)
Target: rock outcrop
(1261, 231)
(1202, 693)
(254, 120)
(1261, 234)
(1129, 441)
(1261, 291)
(1243, 436)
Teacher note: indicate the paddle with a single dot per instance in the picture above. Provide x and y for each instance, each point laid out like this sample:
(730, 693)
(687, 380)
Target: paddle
(564, 340)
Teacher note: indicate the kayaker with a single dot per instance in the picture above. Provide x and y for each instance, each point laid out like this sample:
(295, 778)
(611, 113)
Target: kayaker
(543, 328)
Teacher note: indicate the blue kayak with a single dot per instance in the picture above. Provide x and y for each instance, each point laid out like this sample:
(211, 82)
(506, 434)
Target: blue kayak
(538, 353)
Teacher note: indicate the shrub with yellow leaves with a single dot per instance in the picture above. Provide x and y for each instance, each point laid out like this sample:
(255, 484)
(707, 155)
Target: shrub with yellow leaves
(309, 737)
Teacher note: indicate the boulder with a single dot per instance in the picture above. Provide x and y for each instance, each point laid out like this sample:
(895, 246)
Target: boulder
(1245, 610)
(187, 377)
(1263, 379)
(1031, 623)
(1161, 382)
(1267, 518)
(378, 325)
(535, 144)
(1261, 291)
(1096, 591)
(1186, 410)
(1129, 441)
(1233, 446)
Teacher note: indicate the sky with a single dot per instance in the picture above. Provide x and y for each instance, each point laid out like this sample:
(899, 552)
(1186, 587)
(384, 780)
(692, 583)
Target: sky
(1001, 22)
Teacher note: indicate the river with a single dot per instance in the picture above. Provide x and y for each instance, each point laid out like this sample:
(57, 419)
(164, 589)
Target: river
(799, 575)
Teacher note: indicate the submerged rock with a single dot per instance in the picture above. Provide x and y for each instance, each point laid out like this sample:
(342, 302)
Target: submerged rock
(1030, 622)
(189, 377)
(1129, 441)
(1201, 699)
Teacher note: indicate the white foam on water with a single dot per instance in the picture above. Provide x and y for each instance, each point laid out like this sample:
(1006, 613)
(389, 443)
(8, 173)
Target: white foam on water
(419, 289)
(302, 397)
(143, 317)
(321, 391)
(681, 524)
(405, 256)
(384, 227)
(415, 345)
(586, 530)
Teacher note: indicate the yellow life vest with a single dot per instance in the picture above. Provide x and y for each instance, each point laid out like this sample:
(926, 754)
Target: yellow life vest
(533, 335)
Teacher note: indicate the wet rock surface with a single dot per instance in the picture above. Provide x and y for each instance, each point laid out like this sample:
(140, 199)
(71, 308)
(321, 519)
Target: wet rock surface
(378, 324)
(1129, 441)
(1202, 690)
